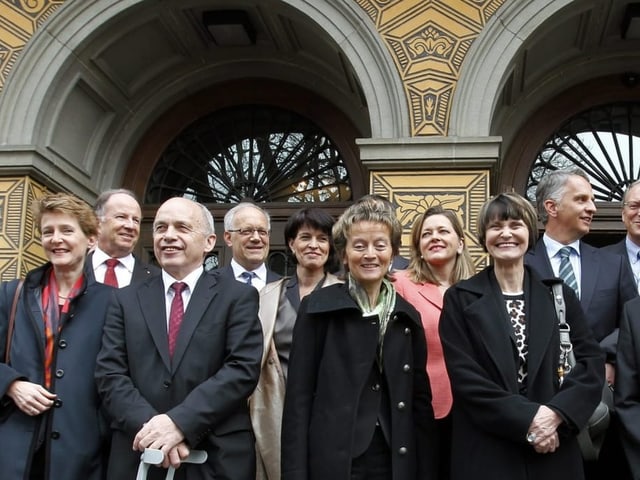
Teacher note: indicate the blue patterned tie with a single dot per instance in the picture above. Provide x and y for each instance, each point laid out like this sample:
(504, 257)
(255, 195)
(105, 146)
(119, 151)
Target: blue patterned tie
(247, 277)
(566, 270)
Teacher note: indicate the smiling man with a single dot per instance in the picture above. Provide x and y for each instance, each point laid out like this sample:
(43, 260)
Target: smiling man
(629, 247)
(247, 230)
(602, 281)
(112, 261)
(180, 356)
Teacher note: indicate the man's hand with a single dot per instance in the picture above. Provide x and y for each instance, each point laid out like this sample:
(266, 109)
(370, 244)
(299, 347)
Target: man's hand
(610, 373)
(31, 398)
(176, 455)
(162, 434)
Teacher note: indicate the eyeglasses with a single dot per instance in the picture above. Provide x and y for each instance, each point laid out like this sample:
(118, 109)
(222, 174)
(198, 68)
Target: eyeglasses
(633, 206)
(248, 232)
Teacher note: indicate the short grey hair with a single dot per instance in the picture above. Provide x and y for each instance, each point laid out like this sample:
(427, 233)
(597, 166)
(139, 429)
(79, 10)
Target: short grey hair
(626, 192)
(208, 225)
(230, 216)
(552, 187)
(104, 197)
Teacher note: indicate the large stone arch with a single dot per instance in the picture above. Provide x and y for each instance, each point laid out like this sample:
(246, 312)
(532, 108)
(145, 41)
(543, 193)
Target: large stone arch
(106, 122)
(488, 61)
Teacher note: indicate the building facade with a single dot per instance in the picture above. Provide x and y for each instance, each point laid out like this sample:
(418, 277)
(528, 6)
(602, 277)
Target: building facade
(297, 101)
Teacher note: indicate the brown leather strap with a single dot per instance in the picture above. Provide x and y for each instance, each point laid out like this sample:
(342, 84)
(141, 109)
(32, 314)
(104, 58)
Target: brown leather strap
(12, 321)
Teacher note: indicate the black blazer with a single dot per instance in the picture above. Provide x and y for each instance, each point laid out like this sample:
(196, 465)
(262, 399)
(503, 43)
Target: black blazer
(204, 388)
(332, 401)
(620, 248)
(491, 415)
(141, 270)
(606, 284)
(627, 386)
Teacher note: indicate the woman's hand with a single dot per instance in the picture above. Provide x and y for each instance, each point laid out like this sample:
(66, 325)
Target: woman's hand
(542, 433)
(31, 398)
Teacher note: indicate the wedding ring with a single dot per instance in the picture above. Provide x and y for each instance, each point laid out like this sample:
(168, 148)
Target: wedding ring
(531, 437)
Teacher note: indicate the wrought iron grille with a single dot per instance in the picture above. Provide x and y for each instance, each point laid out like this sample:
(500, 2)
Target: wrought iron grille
(603, 141)
(264, 153)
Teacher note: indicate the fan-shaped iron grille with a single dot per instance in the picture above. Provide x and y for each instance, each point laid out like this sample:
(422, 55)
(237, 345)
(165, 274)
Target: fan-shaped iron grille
(603, 141)
(259, 152)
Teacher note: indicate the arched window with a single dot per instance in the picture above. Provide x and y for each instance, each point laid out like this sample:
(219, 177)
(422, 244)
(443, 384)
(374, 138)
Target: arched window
(260, 152)
(604, 141)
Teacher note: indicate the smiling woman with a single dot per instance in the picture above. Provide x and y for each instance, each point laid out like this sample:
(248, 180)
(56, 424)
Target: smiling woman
(47, 387)
(358, 347)
(504, 310)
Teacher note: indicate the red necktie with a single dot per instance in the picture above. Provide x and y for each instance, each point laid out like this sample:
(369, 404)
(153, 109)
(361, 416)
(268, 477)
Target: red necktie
(110, 276)
(176, 314)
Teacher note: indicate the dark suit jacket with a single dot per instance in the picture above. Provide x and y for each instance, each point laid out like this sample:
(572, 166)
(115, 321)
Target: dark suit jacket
(605, 286)
(620, 248)
(227, 272)
(627, 387)
(491, 415)
(141, 270)
(204, 388)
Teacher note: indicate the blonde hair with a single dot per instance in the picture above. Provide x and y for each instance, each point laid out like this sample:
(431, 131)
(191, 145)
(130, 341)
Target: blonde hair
(419, 269)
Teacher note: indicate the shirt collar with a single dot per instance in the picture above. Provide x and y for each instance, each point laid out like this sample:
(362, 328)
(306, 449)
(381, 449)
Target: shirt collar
(190, 279)
(261, 271)
(632, 249)
(99, 257)
(553, 246)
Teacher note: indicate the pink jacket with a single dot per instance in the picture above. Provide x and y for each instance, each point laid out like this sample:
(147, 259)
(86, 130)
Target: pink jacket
(427, 299)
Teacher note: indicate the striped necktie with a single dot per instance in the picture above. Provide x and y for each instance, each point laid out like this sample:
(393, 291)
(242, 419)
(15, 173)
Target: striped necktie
(566, 270)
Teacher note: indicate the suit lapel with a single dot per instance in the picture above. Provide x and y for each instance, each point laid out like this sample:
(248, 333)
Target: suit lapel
(431, 294)
(539, 260)
(541, 324)
(589, 272)
(155, 315)
(201, 297)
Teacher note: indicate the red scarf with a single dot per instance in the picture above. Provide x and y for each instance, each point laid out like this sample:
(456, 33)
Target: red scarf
(52, 313)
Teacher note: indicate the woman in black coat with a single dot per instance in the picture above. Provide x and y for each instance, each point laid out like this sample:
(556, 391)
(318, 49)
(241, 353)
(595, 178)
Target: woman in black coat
(358, 404)
(51, 425)
(513, 417)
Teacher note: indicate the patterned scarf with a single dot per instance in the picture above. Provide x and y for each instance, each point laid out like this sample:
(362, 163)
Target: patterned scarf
(52, 313)
(384, 307)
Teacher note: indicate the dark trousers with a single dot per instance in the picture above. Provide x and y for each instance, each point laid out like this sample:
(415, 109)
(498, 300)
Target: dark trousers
(375, 462)
(38, 465)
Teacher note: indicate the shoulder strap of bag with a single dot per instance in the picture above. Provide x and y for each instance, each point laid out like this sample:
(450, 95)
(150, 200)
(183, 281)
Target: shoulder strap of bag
(12, 320)
(567, 361)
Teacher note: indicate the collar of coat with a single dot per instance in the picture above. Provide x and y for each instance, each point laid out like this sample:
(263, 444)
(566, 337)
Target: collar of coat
(336, 297)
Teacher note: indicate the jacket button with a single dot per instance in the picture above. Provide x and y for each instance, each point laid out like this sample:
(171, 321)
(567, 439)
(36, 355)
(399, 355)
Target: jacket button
(166, 384)
(406, 368)
(62, 343)
(407, 331)
(55, 435)
(57, 403)
(59, 373)
(402, 450)
(375, 387)
(395, 318)
(401, 406)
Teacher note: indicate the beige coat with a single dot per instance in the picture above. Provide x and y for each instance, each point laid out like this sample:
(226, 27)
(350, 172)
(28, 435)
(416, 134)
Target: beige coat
(267, 402)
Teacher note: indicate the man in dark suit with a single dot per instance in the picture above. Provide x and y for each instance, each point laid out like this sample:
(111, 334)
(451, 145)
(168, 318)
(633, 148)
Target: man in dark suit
(119, 217)
(180, 356)
(246, 231)
(627, 391)
(566, 206)
(629, 247)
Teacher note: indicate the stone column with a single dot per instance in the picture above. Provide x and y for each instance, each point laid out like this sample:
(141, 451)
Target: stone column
(416, 173)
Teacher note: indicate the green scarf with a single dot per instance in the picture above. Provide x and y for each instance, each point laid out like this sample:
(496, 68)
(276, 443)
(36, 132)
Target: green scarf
(385, 304)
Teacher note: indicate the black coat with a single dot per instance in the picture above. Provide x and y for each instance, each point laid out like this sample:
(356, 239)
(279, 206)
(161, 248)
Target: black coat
(78, 431)
(491, 416)
(334, 350)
